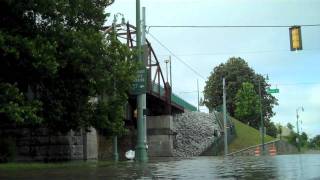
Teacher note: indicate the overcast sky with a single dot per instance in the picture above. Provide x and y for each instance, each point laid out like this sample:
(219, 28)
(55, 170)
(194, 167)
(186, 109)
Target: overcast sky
(266, 50)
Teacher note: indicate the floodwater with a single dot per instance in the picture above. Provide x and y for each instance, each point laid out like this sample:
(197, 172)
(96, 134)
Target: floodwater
(304, 166)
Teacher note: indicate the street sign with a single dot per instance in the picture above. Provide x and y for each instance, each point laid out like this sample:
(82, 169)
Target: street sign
(139, 85)
(270, 91)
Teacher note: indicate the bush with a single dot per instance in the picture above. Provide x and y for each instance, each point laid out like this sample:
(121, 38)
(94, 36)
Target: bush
(7, 149)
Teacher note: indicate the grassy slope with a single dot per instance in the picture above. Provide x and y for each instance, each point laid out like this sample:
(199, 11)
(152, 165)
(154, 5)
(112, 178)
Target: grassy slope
(246, 136)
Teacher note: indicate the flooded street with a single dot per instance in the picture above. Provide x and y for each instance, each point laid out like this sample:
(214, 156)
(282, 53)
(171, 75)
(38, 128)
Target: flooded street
(306, 166)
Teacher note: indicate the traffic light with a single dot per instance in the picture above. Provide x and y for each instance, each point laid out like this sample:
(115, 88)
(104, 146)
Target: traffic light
(295, 38)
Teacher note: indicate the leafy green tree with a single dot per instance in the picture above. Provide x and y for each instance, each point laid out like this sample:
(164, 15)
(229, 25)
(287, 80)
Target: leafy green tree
(314, 143)
(108, 115)
(236, 71)
(15, 108)
(247, 105)
(279, 131)
(304, 139)
(55, 59)
(271, 129)
(290, 126)
(292, 138)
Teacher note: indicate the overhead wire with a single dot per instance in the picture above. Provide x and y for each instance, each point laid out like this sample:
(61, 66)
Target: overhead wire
(272, 84)
(231, 26)
(295, 84)
(244, 52)
(178, 58)
(218, 26)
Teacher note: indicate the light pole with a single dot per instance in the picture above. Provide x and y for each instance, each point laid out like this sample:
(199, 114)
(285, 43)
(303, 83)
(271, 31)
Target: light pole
(298, 137)
(115, 18)
(115, 138)
(169, 61)
(198, 95)
(261, 116)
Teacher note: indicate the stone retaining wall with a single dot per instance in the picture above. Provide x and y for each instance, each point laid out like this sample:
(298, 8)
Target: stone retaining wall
(41, 144)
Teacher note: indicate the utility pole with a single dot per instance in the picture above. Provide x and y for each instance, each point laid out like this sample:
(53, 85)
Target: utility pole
(167, 76)
(261, 120)
(198, 95)
(170, 73)
(298, 137)
(225, 118)
(141, 152)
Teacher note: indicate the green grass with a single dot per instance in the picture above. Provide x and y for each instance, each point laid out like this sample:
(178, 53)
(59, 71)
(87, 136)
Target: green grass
(246, 136)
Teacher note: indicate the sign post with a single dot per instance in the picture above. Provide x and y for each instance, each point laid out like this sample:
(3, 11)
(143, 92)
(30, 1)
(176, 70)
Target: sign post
(139, 85)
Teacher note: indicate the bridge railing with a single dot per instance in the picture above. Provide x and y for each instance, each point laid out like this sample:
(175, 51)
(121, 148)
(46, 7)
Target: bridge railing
(174, 98)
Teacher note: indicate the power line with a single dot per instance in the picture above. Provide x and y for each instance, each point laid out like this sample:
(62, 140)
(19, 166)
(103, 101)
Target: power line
(230, 26)
(244, 52)
(182, 61)
(295, 84)
(188, 92)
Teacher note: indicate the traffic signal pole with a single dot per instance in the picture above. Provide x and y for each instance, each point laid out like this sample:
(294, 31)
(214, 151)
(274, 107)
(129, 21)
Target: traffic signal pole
(261, 120)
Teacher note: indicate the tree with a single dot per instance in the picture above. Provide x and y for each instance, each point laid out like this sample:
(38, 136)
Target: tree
(315, 142)
(236, 71)
(304, 139)
(293, 137)
(271, 129)
(55, 59)
(290, 126)
(279, 131)
(247, 105)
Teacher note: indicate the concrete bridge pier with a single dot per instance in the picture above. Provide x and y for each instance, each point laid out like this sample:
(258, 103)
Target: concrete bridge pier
(160, 136)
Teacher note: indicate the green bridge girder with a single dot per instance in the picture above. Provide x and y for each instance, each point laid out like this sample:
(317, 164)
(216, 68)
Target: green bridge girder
(174, 98)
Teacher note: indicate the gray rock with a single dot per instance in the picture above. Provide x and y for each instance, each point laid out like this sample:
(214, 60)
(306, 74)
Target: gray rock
(194, 133)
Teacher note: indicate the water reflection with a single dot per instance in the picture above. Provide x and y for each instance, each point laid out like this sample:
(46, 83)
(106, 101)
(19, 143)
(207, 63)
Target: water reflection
(278, 167)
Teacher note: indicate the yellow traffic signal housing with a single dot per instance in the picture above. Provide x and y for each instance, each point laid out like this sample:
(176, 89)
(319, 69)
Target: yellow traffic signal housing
(295, 38)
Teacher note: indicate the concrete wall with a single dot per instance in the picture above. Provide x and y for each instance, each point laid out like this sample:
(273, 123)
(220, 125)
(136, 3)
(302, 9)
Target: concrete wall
(160, 135)
(90, 145)
(41, 144)
(125, 143)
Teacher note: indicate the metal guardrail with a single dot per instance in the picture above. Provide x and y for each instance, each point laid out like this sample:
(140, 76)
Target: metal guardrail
(250, 147)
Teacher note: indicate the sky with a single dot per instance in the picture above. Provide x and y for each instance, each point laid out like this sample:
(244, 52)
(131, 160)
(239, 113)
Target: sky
(267, 50)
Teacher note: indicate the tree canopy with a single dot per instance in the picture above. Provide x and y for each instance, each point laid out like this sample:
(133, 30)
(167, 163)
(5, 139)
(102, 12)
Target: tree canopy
(236, 71)
(315, 142)
(247, 105)
(55, 60)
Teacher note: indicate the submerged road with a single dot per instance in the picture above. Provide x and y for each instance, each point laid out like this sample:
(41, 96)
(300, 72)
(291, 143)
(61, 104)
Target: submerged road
(304, 166)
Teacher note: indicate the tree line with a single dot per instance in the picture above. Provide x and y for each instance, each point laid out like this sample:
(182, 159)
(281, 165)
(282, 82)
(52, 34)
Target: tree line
(242, 88)
(59, 70)
(305, 141)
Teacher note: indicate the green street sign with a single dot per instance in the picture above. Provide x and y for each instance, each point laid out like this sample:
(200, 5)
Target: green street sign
(139, 85)
(270, 91)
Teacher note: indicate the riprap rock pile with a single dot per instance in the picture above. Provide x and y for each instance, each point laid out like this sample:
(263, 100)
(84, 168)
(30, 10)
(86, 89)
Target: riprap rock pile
(195, 133)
